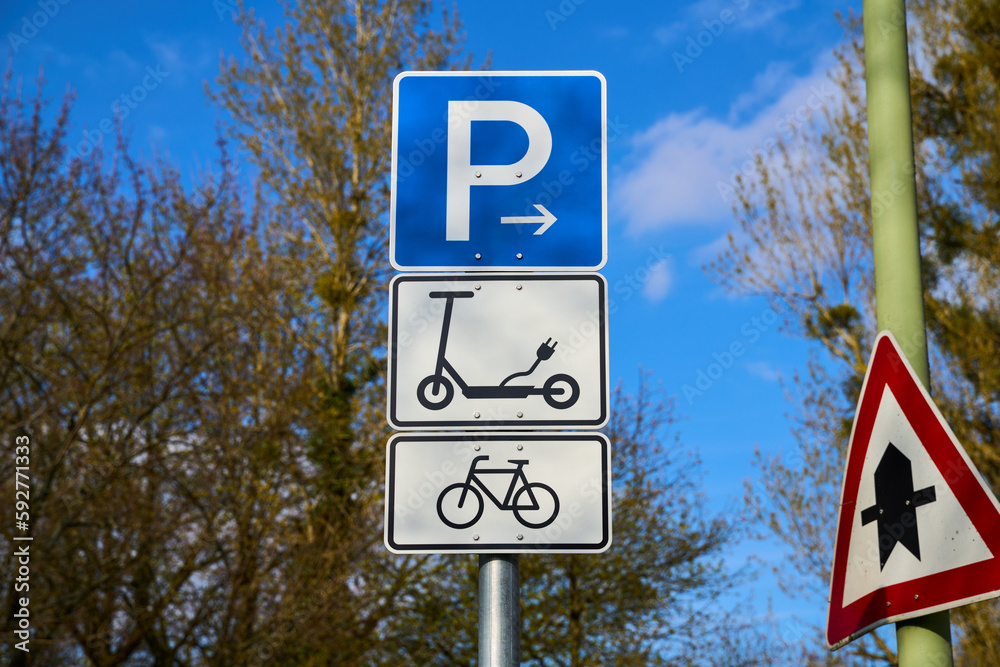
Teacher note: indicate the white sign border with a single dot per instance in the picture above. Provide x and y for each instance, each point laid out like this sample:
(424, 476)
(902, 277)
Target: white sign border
(511, 267)
(511, 547)
(472, 424)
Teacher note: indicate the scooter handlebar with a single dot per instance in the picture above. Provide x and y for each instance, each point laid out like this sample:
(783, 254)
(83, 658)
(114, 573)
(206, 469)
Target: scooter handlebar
(452, 295)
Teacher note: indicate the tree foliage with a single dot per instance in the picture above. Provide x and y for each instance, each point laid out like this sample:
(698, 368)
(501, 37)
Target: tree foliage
(804, 240)
(311, 102)
(651, 599)
(200, 371)
(149, 351)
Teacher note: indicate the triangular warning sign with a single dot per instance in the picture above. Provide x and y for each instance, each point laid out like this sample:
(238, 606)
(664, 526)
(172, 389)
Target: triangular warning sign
(918, 529)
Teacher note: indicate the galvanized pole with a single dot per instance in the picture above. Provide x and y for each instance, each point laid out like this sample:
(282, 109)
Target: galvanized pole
(899, 305)
(499, 610)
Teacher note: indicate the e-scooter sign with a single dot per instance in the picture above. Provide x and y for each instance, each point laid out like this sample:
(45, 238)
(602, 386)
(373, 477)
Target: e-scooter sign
(487, 351)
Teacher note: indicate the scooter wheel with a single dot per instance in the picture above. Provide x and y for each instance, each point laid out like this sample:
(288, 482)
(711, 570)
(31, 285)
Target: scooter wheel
(561, 401)
(445, 392)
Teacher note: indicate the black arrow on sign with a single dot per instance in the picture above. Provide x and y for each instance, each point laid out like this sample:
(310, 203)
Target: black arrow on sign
(895, 505)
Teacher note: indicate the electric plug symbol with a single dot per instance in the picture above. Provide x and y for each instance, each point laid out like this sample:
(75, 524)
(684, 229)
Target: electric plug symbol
(545, 351)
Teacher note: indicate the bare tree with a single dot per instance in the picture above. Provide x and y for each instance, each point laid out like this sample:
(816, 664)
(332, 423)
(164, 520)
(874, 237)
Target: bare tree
(149, 353)
(804, 241)
(312, 104)
(652, 599)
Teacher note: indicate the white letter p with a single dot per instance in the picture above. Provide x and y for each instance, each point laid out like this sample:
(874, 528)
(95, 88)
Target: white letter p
(462, 175)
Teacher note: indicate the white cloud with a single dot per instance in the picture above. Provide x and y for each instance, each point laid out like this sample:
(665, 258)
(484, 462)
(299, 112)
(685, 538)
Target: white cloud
(708, 252)
(667, 34)
(679, 168)
(765, 13)
(764, 370)
(168, 53)
(661, 279)
(735, 15)
(122, 61)
(183, 58)
(765, 86)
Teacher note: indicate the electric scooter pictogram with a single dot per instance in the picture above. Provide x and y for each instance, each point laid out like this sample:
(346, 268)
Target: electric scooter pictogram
(436, 391)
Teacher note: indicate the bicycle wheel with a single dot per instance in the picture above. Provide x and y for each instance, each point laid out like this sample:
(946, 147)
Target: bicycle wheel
(563, 401)
(433, 401)
(542, 511)
(468, 513)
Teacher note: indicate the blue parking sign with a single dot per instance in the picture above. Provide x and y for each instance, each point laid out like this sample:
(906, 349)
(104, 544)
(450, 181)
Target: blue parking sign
(499, 171)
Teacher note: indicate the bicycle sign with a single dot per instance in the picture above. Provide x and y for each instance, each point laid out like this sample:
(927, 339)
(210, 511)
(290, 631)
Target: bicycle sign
(534, 504)
(498, 492)
(460, 351)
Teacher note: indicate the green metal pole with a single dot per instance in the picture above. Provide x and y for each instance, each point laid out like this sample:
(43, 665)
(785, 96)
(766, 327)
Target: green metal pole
(899, 305)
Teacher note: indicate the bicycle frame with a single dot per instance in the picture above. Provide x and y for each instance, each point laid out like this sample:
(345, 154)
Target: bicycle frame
(511, 500)
(517, 474)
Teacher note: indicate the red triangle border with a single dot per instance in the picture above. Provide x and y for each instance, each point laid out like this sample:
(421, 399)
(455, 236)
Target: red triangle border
(888, 366)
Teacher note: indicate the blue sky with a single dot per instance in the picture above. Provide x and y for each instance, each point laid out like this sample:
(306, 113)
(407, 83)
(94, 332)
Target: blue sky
(694, 90)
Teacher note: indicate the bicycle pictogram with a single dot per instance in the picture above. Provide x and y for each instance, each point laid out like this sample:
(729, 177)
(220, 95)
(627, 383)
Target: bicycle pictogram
(534, 504)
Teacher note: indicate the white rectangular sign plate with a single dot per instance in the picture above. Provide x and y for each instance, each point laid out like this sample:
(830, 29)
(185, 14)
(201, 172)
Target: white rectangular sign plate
(498, 492)
(488, 351)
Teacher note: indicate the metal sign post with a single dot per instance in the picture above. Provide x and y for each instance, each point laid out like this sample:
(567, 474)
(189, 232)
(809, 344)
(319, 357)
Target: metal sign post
(498, 171)
(499, 610)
